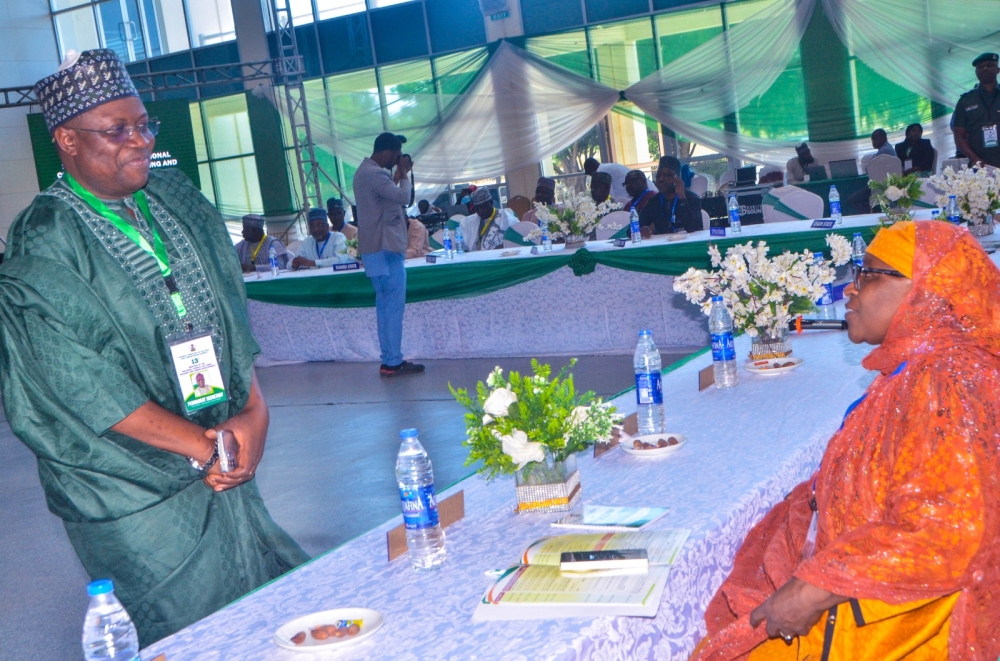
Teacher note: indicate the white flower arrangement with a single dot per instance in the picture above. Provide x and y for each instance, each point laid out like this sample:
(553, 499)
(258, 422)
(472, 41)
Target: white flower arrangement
(352, 248)
(977, 191)
(515, 422)
(764, 293)
(577, 215)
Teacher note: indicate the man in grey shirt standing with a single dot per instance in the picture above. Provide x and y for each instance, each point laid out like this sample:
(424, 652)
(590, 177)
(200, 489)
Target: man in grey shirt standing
(382, 238)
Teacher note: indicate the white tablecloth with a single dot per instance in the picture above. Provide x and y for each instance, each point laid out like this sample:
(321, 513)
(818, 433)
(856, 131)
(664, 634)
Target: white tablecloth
(747, 448)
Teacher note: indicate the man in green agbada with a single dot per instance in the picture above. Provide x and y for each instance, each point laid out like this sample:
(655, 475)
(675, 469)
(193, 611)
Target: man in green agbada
(86, 310)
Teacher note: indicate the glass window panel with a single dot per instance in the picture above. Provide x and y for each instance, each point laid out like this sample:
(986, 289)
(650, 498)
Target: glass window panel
(237, 187)
(207, 188)
(779, 113)
(302, 12)
(635, 137)
(681, 32)
(211, 22)
(623, 53)
(66, 4)
(198, 128)
(570, 160)
(375, 4)
(332, 8)
(120, 29)
(354, 103)
(228, 127)
(456, 72)
(166, 28)
(77, 30)
(410, 99)
(884, 104)
(568, 49)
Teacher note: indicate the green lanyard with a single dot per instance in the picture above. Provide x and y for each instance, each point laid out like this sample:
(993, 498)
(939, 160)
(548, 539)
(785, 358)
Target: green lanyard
(157, 251)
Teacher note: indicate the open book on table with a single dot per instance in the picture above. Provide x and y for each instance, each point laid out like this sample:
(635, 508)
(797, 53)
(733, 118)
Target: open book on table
(536, 590)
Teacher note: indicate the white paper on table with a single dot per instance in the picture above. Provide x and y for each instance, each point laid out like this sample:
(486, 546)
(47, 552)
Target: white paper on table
(613, 519)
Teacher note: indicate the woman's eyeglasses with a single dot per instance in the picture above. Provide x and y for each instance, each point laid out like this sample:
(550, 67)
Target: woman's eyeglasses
(862, 270)
(122, 133)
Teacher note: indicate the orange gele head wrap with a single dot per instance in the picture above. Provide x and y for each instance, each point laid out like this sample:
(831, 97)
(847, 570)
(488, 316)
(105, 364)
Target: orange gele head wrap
(895, 245)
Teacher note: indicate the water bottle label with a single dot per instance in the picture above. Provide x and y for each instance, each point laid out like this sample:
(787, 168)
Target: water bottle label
(835, 207)
(827, 298)
(419, 507)
(648, 388)
(634, 225)
(723, 346)
(447, 244)
(734, 216)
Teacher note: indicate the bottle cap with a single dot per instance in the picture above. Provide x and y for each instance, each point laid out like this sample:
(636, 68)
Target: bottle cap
(857, 234)
(103, 586)
(645, 332)
(717, 299)
(408, 433)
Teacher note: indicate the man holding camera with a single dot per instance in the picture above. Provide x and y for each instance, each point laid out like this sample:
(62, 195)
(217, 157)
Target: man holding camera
(380, 195)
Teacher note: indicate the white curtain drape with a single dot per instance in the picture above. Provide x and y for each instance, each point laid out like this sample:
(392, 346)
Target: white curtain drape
(925, 46)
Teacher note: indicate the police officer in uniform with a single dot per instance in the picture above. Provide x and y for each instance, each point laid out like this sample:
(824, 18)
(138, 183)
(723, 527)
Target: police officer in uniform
(977, 115)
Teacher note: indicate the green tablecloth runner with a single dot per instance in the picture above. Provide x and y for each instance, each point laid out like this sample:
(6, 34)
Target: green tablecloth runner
(461, 280)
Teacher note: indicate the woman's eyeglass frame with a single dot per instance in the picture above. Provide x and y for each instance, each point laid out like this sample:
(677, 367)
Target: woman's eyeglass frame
(858, 271)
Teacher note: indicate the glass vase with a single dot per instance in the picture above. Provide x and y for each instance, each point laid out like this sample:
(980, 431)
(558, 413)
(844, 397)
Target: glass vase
(553, 486)
(575, 241)
(770, 344)
(984, 228)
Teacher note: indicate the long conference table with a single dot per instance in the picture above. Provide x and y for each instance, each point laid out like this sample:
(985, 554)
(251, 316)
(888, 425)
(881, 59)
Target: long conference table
(746, 449)
(510, 302)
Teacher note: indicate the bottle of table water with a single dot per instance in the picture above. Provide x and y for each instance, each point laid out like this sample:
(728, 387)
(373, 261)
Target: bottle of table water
(108, 632)
(951, 212)
(835, 206)
(648, 385)
(546, 239)
(734, 215)
(825, 308)
(858, 249)
(633, 226)
(446, 240)
(415, 476)
(272, 257)
(459, 240)
(720, 326)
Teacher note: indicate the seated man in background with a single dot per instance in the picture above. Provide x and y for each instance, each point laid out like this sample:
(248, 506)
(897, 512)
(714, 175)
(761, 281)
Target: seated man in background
(638, 190)
(484, 229)
(418, 242)
(796, 167)
(618, 172)
(600, 187)
(253, 250)
(545, 193)
(322, 247)
(423, 206)
(335, 210)
(916, 152)
(674, 208)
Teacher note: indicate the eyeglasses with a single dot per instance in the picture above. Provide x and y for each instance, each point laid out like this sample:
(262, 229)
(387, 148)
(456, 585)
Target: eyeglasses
(123, 132)
(862, 270)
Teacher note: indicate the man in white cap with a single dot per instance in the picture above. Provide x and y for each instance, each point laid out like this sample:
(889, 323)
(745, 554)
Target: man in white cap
(484, 229)
(255, 249)
(111, 275)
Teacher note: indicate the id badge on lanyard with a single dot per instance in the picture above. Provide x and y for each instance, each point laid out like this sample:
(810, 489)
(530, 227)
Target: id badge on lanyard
(990, 136)
(197, 369)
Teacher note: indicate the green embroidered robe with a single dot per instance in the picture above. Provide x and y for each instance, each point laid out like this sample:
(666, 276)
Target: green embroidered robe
(84, 314)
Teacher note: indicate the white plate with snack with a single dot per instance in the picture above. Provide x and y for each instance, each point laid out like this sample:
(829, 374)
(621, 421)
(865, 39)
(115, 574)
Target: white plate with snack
(649, 446)
(327, 630)
(772, 366)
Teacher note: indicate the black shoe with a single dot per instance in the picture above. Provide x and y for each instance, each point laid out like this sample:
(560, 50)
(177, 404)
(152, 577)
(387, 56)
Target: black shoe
(398, 370)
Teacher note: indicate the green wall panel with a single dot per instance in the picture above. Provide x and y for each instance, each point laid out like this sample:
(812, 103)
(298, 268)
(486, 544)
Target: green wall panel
(269, 154)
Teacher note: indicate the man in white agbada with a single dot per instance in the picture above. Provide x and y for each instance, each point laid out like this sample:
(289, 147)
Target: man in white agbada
(484, 229)
(322, 247)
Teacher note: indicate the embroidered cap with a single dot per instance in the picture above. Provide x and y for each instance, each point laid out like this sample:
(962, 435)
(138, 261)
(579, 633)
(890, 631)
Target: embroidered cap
(547, 183)
(84, 81)
(985, 57)
(481, 196)
(318, 214)
(253, 220)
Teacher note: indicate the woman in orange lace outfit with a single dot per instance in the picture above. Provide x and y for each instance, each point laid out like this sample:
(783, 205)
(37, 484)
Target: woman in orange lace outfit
(906, 558)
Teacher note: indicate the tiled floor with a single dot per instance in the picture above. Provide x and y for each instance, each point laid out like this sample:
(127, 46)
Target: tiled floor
(327, 476)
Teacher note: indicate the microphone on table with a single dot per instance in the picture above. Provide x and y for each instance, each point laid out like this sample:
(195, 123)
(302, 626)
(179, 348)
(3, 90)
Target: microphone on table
(799, 324)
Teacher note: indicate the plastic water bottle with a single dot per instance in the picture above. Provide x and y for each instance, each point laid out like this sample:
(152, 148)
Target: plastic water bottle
(734, 215)
(415, 476)
(648, 385)
(858, 250)
(825, 308)
(838, 219)
(633, 226)
(720, 326)
(546, 239)
(449, 251)
(272, 257)
(459, 240)
(951, 212)
(108, 632)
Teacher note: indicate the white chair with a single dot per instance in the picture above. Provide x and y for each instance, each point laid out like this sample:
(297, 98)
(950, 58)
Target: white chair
(727, 179)
(516, 235)
(699, 185)
(613, 224)
(293, 247)
(791, 203)
(882, 166)
(928, 195)
(436, 240)
(954, 163)
(706, 220)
